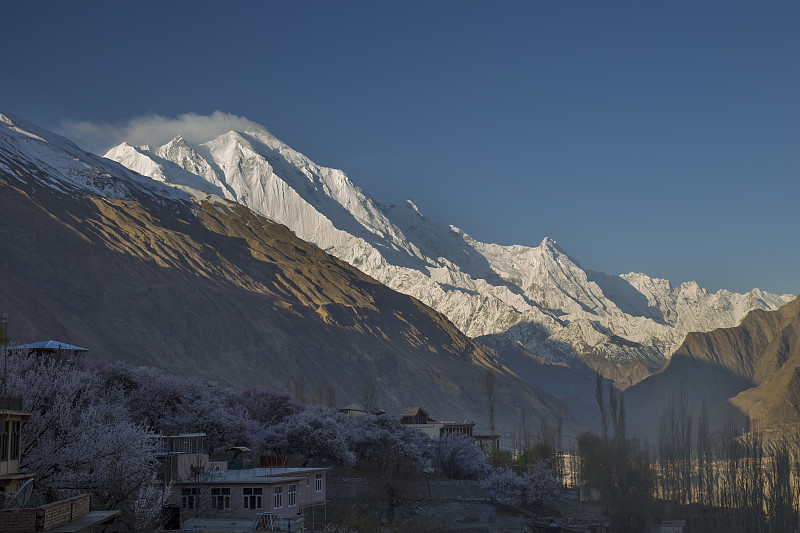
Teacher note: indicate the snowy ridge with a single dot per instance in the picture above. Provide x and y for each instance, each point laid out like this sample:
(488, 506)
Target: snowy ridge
(538, 296)
(61, 165)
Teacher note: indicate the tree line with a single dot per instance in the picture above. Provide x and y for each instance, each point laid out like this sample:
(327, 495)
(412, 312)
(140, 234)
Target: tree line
(95, 426)
(726, 479)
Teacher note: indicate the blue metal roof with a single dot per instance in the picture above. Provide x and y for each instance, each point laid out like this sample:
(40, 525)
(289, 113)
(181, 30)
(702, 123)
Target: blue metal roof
(50, 345)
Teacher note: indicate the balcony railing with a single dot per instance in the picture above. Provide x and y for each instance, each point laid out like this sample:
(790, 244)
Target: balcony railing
(10, 403)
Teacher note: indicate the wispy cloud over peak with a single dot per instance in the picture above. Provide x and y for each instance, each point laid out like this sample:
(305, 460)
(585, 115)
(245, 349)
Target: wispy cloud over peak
(153, 129)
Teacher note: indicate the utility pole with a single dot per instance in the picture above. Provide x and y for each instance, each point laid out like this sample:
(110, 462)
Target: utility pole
(4, 330)
(4, 347)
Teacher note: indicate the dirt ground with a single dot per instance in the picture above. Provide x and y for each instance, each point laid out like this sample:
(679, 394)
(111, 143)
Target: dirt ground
(492, 517)
(570, 507)
(481, 516)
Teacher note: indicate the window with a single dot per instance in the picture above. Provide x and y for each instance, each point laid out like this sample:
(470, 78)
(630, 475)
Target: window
(3, 440)
(14, 434)
(278, 498)
(189, 498)
(291, 496)
(252, 497)
(318, 482)
(221, 498)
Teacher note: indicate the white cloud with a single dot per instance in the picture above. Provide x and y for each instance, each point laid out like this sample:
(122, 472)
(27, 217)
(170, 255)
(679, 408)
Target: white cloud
(153, 129)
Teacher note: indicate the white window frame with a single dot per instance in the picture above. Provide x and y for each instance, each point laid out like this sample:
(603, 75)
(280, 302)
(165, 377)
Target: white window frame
(5, 444)
(252, 497)
(14, 431)
(189, 497)
(221, 498)
(291, 496)
(318, 482)
(278, 500)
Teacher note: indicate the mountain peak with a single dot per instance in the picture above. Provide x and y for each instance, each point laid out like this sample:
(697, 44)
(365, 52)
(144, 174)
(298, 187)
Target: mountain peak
(178, 140)
(550, 245)
(483, 288)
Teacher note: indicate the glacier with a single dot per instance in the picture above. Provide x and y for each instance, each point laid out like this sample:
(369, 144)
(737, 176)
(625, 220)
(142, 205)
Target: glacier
(538, 297)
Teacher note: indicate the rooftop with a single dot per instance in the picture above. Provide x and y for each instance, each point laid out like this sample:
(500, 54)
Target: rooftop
(412, 411)
(258, 475)
(85, 523)
(49, 345)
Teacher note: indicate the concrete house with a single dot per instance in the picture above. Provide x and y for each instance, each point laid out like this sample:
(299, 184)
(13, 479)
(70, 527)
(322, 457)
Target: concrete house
(247, 494)
(183, 457)
(418, 418)
(207, 492)
(356, 409)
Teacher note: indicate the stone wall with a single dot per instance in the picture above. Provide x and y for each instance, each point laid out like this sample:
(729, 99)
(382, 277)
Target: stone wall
(18, 520)
(44, 517)
(61, 512)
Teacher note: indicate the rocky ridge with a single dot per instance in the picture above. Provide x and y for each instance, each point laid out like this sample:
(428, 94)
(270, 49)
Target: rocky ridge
(625, 326)
(745, 374)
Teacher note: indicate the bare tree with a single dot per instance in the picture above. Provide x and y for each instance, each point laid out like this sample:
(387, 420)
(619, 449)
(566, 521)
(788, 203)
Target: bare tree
(705, 459)
(300, 388)
(618, 467)
(490, 402)
(330, 396)
(783, 498)
(598, 395)
(525, 440)
(369, 395)
(201, 498)
(675, 452)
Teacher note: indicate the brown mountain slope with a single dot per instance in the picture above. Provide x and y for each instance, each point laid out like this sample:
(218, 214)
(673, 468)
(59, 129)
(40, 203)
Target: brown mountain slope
(776, 400)
(750, 370)
(212, 290)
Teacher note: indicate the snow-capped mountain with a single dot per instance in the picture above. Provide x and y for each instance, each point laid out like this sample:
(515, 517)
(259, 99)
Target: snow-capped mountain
(537, 296)
(59, 163)
(165, 276)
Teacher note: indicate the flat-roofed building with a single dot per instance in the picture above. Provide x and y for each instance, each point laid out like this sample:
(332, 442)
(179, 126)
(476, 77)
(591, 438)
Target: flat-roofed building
(183, 456)
(418, 418)
(257, 493)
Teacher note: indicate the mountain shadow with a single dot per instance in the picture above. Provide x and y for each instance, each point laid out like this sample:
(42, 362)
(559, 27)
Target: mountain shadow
(626, 296)
(749, 369)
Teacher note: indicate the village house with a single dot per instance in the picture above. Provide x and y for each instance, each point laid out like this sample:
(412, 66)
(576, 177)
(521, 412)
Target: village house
(356, 409)
(51, 348)
(275, 494)
(418, 418)
(183, 457)
(207, 491)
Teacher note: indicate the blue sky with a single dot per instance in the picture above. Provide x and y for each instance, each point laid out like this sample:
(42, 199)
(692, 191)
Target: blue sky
(660, 137)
